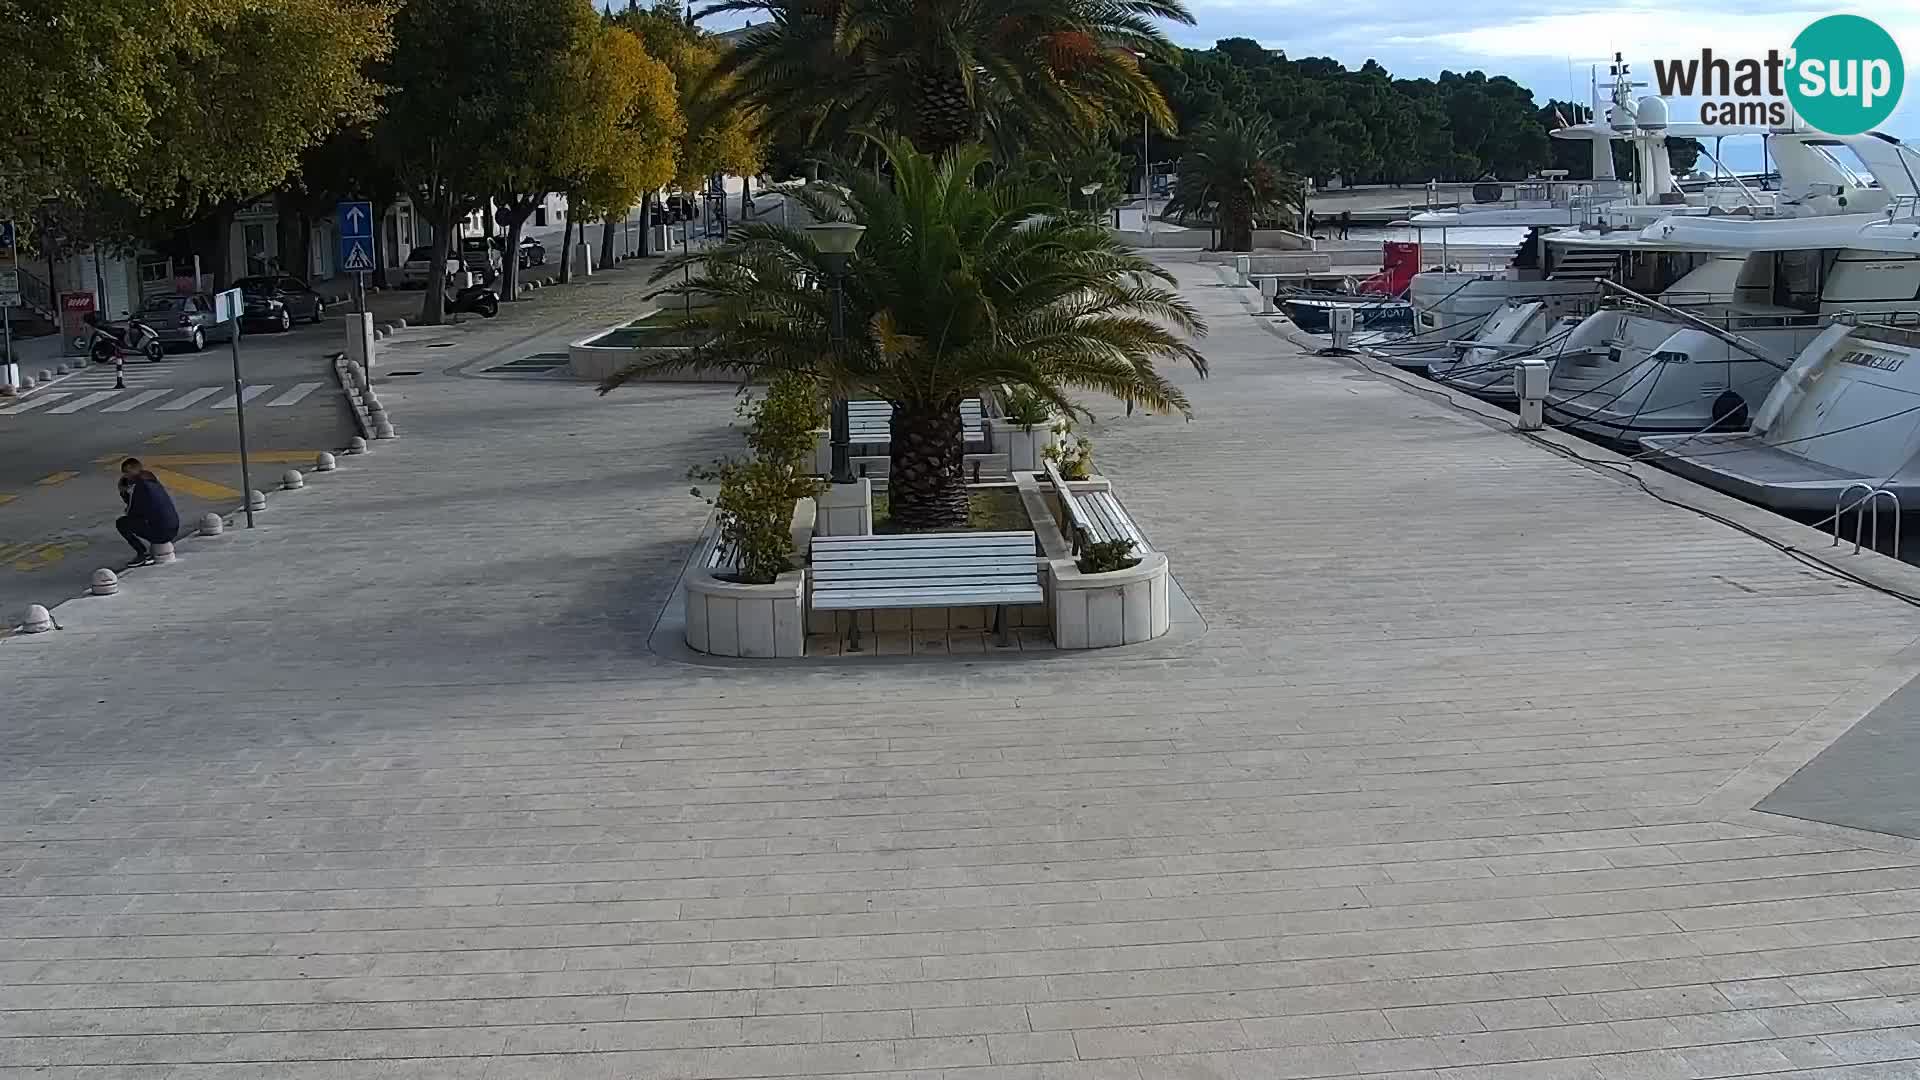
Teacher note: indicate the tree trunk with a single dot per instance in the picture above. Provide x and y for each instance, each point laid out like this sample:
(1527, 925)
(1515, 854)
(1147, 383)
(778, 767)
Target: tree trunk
(746, 197)
(1236, 225)
(943, 116)
(566, 247)
(646, 225)
(926, 478)
(304, 222)
(433, 307)
(609, 230)
(510, 258)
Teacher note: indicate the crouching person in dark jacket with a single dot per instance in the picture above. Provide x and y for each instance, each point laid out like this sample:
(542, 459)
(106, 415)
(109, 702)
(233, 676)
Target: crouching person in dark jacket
(150, 518)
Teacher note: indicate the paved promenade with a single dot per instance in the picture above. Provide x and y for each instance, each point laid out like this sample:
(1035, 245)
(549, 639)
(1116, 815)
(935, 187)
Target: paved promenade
(1457, 784)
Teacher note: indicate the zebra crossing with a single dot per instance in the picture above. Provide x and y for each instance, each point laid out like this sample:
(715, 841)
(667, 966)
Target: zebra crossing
(75, 396)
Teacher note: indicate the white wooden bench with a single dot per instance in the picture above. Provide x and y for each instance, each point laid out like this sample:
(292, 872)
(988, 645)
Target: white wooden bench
(925, 570)
(870, 423)
(1095, 516)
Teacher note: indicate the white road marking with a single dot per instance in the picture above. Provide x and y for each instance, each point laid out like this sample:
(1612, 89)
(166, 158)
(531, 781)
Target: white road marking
(138, 400)
(293, 396)
(83, 401)
(187, 400)
(34, 403)
(247, 394)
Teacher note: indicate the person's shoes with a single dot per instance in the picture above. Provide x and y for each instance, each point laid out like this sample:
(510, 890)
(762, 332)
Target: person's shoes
(140, 560)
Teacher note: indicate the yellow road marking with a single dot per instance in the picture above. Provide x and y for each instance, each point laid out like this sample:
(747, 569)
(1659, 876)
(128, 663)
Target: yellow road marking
(211, 459)
(204, 421)
(192, 485)
(158, 439)
(56, 478)
(42, 556)
(5, 498)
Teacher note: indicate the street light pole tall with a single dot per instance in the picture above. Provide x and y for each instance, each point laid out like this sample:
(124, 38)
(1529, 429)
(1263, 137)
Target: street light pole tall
(836, 241)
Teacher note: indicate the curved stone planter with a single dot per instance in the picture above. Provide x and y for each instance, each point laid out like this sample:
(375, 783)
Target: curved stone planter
(1099, 611)
(728, 619)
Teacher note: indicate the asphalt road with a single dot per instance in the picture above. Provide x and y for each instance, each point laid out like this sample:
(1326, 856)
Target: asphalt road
(60, 449)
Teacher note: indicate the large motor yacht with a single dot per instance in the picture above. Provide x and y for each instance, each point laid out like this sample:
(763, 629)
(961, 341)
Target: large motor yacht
(1844, 417)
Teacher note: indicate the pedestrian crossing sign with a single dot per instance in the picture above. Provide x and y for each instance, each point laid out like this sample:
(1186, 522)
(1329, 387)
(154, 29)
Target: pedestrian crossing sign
(359, 260)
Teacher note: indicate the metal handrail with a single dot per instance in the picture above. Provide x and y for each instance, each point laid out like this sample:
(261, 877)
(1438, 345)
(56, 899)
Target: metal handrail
(1867, 506)
(1751, 348)
(1839, 510)
(1904, 208)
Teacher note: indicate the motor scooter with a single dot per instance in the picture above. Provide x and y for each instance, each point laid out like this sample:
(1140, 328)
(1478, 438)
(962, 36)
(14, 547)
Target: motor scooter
(478, 300)
(107, 342)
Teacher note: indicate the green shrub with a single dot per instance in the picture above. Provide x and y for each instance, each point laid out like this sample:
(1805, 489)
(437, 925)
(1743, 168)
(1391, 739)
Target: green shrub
(1024, 408)
(755, 495)
(1074, 456)
(1106, 557)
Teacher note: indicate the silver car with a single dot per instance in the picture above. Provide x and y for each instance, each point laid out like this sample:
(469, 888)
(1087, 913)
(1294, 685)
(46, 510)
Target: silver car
(184, 321)
(413, 272)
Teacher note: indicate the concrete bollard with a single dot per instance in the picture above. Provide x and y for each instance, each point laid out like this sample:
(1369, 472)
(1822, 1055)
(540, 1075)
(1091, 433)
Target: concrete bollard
(163, 553)
(399, 324)
(105, 582)
(46, 374)
(212, 525)
(383, 429)
(386, 328)
(256, 501)
(323, 462)
(37, 620)
(291, 480)
(78, 364)
(356, 445)
(28, 382)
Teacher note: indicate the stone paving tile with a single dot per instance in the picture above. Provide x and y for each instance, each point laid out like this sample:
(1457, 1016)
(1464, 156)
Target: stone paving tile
(391, 787)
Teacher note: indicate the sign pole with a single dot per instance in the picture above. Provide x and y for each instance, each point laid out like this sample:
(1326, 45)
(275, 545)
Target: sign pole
(240, 418)
(9, 372)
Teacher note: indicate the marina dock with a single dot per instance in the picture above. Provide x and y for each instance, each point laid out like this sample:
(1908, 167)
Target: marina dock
(1458, 782)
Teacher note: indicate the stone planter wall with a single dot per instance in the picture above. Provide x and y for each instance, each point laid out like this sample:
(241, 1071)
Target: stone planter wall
(728, 619)
(1099, 611)
(1025, 447)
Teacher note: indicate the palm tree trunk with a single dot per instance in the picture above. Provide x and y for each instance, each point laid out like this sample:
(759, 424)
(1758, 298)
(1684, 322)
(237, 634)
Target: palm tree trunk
(926, 478)
(943, 116)
(1236, 230)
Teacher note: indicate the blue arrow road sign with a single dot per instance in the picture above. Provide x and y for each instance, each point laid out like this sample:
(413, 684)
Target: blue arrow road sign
(356, 237)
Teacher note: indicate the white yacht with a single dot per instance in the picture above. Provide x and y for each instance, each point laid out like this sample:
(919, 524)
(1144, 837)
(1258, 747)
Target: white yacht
(1709, 350)
(1845, 415)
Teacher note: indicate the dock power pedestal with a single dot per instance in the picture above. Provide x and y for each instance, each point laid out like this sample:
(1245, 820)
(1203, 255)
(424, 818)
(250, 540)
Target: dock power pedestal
(1530, 383)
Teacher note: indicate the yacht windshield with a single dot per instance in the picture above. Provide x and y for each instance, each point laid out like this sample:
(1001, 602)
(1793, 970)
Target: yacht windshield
(1843, 158)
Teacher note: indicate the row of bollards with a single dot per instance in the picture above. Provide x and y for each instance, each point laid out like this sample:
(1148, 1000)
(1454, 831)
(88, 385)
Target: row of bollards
(39, 620)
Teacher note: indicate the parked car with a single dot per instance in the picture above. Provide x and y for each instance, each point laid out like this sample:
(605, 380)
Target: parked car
(276, 302)
(480, 255)
(413, 272)
(184, 321)
(532, 252)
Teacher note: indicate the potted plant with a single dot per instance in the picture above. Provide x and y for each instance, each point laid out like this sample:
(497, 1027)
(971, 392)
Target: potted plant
(1029, 429)
(1072, 455)
(1107, 556)
(749, 601)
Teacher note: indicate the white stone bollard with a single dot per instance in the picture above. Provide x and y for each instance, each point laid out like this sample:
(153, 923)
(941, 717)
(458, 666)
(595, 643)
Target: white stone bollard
(28, 382)
(105, 582)
(46, 374)
(256, 501)
(383, 428)
(212, 525)
(38, 621)
(399, 324)
(356, 445)
(323, 462)
(78, 364)
(163, 553)
(291, 480)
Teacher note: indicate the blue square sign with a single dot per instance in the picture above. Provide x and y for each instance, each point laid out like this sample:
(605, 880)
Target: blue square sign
(356, 237)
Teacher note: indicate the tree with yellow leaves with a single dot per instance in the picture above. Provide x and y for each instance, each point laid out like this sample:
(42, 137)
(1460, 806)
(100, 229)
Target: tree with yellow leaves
(716, 140)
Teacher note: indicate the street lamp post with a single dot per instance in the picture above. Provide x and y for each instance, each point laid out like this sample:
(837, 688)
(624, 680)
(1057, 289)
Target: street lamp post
(1090, 190)
(836, 241)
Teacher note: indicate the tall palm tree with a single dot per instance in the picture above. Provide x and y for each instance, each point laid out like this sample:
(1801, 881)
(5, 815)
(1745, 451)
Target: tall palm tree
(948, 72)
(1231, 174)
(957, 286)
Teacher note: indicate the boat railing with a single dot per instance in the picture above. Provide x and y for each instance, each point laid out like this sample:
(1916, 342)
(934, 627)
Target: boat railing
(1904, 209)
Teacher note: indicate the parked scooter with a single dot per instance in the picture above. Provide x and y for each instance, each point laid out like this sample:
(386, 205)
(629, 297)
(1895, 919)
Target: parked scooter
(478, 300)
(107, 342)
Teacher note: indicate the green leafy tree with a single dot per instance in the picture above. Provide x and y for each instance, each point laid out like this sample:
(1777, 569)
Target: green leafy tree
(949, 72)
(464, 74)
(1070, 170)
(957, 286)
(1230, 175)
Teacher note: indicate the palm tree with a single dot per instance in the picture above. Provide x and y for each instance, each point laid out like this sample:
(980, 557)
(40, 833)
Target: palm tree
(1231, 175)
(948, 72)
(957, 286)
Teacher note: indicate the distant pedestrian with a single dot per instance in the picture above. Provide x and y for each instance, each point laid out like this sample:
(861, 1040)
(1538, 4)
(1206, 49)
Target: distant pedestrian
(1346, 224)
(150, 518)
